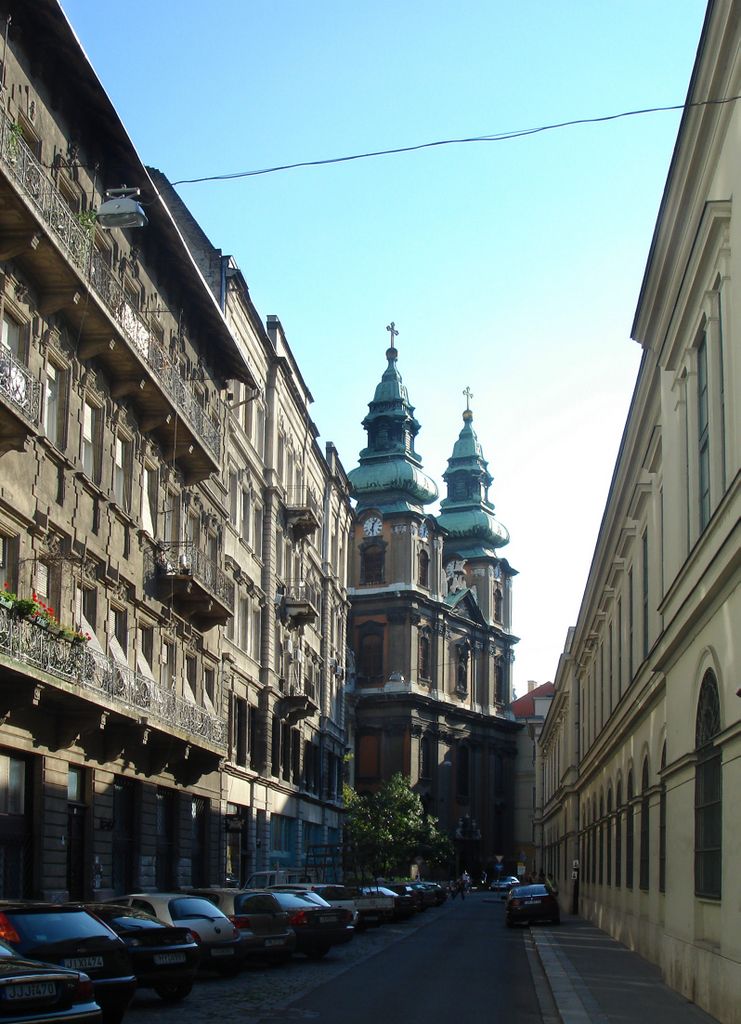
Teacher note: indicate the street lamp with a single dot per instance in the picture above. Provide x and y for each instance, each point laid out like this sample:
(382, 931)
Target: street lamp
(121, 210)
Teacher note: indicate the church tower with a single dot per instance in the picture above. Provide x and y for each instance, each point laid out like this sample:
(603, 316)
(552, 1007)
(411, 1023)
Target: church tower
(429, 692)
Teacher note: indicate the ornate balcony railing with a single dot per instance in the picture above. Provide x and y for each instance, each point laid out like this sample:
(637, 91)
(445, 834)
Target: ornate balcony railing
(181, 558)
(77, 243)
(303, 497)
(29, 643)
(19, 387)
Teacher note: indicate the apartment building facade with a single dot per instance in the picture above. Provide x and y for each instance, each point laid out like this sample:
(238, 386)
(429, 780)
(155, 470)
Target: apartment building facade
(168, 684)
(640, 749)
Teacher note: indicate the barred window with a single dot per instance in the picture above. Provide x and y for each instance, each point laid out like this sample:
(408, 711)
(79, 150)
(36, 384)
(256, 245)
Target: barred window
(708, 792)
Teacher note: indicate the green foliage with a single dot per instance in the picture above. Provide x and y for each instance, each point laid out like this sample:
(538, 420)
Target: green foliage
(388, 829)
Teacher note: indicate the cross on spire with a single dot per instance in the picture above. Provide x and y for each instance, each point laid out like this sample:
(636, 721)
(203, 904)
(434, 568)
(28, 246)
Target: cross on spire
(391, 328)
(469, 395)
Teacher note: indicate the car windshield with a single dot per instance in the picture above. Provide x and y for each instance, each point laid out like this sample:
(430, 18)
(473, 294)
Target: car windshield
(6, 951)
(192, 906)
(262, 903)
(299, 901)
(48, 926)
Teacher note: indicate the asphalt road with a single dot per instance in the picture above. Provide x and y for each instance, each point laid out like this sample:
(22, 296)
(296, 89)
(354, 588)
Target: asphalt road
(453, 964)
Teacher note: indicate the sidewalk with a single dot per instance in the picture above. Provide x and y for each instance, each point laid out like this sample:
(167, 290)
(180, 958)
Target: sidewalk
(596, 980)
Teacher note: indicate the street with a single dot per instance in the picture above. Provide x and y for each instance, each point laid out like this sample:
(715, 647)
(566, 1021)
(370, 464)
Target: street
(453, 960)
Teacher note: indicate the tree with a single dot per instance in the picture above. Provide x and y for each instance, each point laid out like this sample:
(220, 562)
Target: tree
(388, 829)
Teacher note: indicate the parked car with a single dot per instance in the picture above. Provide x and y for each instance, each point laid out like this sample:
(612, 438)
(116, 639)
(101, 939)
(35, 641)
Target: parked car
(72, 937)
(336, 895)
(164, 957)
(404, 902)
(428, 894)
(262, 922)
(420, 902)
(219, 942)
(528, 903)
(503, 885)
(440, 894)
(36, 993)
(317, 927)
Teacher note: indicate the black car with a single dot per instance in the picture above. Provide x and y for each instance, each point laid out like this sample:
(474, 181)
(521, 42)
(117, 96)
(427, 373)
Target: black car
(528, 903)
(72, 937)
(164, 957)
(404, 902)
(35, 993)
(318, 926)
(406, 889)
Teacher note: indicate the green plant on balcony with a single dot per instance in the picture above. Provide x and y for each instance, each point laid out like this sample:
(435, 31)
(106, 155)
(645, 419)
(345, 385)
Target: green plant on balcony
(87, 220)
(35, 610)
(15, 137)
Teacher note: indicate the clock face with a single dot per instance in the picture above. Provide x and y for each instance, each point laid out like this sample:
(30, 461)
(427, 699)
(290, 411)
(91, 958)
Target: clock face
(372, 527)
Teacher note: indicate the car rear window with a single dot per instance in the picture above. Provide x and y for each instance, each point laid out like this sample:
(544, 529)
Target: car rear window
(335, 892)
(294, 901)
(261, 904)
(530, 890)
(134, 920)
(192, 906)
(46, 926)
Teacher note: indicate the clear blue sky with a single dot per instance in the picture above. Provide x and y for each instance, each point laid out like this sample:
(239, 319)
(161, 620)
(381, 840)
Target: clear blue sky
(513, 267)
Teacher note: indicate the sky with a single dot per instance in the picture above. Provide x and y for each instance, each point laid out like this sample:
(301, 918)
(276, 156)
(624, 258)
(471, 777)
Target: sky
(512, 267)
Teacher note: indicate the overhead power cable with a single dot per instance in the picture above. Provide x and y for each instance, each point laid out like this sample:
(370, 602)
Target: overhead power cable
(497, 137)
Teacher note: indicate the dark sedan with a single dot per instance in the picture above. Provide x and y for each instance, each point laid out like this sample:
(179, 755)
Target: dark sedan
(404, 902)
(164, 957)
(526, 903)
(35, 993)
(317, 926)
(72, 937)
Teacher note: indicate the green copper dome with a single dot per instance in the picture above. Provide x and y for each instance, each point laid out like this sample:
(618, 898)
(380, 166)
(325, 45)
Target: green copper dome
(466, 513)
(390, 475)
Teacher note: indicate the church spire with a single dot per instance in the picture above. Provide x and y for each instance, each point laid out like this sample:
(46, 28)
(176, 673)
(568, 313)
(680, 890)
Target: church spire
(466, 513)
(390, 473)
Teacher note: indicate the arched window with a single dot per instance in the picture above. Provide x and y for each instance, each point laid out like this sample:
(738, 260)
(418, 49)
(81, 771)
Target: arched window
(498, 605)
(370, 658)
(371, 564)
(629, 834)
(423, 569)
(608, 836)
(600, 840)
(619, 835)
(462, 771)
(708, 791)
(425, 758)
(662, 824)
(424, 657)
(643, 875)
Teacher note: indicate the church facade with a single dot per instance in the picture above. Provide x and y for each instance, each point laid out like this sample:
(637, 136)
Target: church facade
(430, 630)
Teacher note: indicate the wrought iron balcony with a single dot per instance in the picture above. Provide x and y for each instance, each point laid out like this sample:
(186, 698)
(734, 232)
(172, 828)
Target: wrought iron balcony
(101, 677)
(303, 511)
(197, 586)
(145, 357)
(20, 403)
(298, 604)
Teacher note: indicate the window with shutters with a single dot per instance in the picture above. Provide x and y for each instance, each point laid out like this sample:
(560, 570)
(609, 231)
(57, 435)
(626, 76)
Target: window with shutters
(92, 425)
(55, 405)
(150, 485)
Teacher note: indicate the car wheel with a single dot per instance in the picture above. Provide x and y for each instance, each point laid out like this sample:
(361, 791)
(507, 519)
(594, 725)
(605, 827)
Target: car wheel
(317, 954)
(175, 992)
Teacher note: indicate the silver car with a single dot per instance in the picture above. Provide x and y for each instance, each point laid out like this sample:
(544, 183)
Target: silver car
(262, 922)
(220, 942)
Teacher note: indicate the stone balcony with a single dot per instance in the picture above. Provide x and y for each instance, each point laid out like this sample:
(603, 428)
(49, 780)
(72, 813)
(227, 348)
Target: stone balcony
(41, 232)
(297, 605)
(87, 690)
(302, 512)
(199, 590)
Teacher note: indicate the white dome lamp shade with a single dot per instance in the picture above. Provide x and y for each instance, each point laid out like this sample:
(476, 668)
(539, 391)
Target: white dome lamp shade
(120, 209)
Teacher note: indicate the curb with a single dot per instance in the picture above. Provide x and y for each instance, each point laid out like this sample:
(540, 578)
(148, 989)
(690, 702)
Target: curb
(574, 1003)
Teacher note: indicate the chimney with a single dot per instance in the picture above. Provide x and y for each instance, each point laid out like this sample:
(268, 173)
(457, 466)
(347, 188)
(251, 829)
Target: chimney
(531, 684)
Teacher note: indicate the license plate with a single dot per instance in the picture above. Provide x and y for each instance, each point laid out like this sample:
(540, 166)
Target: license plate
(533, 899)
(273, 942)
(223, 952)
(29, 990)
(330, 919)
(169, 958)
(83, 963)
